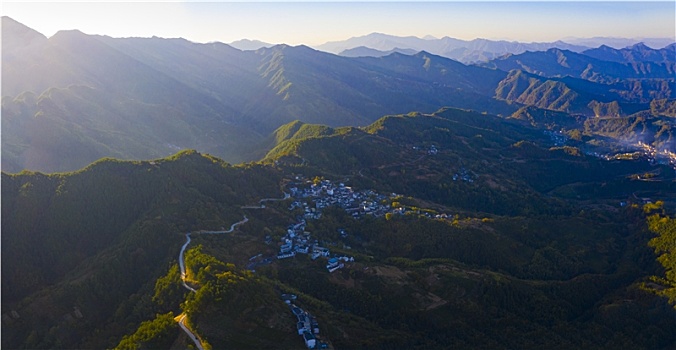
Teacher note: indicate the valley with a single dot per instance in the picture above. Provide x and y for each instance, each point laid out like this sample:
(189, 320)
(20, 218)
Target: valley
(167, 194)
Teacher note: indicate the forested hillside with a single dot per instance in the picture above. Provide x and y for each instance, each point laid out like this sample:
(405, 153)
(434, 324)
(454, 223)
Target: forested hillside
(165, 194)
(95, 240)
(70, 99)
(486, 224)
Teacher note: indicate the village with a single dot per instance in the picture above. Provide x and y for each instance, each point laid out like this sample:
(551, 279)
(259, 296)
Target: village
(325, 193)
(311, 197)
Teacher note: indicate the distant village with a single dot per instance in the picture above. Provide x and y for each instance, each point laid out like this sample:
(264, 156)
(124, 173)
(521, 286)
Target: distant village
(654, 156)
(558, 138)
(633, 151)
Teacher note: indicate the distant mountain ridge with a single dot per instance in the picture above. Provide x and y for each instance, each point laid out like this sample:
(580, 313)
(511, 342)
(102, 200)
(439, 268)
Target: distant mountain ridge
(619, 43)
(477, 50)
(363, 51)
(557, 62)
(246, 44)
(632, 54)
(70, 99)
(461, 50)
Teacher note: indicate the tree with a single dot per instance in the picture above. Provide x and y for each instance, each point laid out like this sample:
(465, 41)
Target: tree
(576, 135)
(664, 246)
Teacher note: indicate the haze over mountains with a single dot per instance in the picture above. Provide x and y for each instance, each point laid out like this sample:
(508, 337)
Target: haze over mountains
(71, 99)
(246, 44)
(471, 51)
(457, 49)
(467, 51)
(619, 43)
(382, 201)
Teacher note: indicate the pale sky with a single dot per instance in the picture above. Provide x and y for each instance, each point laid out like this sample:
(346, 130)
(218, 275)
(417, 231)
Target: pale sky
(313, 23)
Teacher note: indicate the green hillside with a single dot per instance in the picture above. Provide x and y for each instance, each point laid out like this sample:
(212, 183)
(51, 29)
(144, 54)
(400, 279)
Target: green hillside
(526, 204)
(531, 235)
(97, 239)
(508, 161)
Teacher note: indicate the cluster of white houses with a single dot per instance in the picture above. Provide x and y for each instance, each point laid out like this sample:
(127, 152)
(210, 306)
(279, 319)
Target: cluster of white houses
(307, 325)
(326, 193)
(463, 175)
(558, 138)
(359, 203)
(298, 241)
(432, 150)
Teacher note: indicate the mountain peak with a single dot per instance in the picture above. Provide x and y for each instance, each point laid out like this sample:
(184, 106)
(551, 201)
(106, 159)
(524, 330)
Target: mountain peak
(556, 50)
(70, 33)
(15, 34)
(640, 47)
(248, 44)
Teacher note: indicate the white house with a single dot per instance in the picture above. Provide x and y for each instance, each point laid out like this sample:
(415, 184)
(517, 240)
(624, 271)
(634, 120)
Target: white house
(310, 340)
(321, 250)
(284, 256)
(285, 248)
(334, 264)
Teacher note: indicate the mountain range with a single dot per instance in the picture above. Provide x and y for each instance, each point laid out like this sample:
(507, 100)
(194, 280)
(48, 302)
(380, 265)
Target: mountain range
(71, 99)
(457, 49)
(363, 51)
(618, 43)
(477, 50)
(636, 62)
(471, 51)
(633, 54)
(401, 201)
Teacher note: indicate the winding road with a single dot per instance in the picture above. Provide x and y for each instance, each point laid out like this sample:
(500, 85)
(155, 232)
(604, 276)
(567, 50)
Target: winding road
(181, 263)
(181, 322)
(286, 196)
(262, 206)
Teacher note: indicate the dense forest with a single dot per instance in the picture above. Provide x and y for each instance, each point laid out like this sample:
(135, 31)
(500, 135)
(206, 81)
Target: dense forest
(95, 241)
(504, 240)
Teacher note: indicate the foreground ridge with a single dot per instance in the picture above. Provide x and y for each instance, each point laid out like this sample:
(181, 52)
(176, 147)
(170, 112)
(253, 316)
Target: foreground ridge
(181, 261)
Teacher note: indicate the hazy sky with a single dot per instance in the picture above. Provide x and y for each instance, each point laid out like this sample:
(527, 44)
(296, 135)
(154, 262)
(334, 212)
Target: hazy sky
(314, 23)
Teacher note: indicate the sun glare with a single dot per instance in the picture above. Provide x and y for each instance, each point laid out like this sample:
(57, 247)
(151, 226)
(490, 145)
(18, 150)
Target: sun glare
(316, 23)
